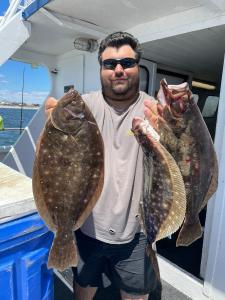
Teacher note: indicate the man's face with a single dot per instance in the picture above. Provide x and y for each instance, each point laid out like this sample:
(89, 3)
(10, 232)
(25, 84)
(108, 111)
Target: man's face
(119, 83)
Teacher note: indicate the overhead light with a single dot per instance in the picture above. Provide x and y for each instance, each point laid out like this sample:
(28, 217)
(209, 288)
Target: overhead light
(85, 44)
(54, 71)
(203, 85)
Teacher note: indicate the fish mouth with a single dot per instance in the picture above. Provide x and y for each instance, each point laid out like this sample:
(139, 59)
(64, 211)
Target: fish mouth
(136, 122)
(175, 97)
(143, 127)
(178, 107)
(79, 116)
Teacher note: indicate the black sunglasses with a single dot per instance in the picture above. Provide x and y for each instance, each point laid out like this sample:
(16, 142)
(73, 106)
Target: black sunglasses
(125, 63)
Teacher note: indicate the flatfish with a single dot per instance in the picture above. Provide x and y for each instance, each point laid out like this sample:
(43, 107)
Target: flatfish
(68, 174)
(163, 202)
(184, 134)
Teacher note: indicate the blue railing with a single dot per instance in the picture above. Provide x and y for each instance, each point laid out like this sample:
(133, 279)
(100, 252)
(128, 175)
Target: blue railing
(14, 7)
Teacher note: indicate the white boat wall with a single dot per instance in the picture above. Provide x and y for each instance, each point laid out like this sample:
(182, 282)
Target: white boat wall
(182, 40)
(14, 31)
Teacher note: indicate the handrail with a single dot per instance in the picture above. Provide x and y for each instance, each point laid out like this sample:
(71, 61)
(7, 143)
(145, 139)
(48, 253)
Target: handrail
(14, 6)
(11, 128)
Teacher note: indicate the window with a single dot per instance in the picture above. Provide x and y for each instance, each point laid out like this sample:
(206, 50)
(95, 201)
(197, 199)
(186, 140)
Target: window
(144, 79)
(210, 106)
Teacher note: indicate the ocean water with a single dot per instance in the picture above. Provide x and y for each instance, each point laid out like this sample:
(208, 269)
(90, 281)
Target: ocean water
(12, 117)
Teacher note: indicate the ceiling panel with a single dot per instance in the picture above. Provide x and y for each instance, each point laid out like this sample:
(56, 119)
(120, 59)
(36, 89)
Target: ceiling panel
(200, 52)
(120, 14)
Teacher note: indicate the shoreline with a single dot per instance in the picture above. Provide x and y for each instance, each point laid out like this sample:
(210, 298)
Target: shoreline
(16, 107)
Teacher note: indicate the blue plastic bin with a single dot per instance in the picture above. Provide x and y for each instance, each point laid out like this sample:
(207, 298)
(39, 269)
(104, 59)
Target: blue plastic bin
(24, 247)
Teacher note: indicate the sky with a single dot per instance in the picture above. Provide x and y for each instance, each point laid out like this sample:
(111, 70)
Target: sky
(37, 81)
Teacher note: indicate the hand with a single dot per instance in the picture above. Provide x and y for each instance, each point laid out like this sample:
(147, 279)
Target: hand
(151, 111)
(50, 103)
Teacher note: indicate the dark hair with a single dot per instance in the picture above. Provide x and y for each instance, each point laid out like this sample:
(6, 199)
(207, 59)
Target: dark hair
(118, 39)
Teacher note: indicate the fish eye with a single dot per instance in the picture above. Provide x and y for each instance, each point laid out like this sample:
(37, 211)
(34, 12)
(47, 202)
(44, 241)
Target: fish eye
(74, 114)
(80, 116)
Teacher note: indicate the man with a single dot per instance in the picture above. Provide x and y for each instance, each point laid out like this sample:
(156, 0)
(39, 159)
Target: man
(111, 244)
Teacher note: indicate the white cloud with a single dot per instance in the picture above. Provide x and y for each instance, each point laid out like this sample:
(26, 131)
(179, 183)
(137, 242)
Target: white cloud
(2, 79)
(28, 97)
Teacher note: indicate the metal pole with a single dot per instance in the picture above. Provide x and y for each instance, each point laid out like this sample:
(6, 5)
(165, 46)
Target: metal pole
(21, 110)
(10, 11)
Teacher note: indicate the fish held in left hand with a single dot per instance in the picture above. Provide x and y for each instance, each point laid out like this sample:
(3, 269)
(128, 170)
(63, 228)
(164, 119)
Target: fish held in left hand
(163, 202)
(68, 174)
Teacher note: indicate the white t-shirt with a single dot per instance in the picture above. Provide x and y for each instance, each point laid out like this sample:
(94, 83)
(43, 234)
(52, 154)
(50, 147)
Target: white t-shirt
(115, 217)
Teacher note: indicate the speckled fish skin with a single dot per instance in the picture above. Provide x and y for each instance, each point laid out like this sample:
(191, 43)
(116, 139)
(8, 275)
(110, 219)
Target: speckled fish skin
(185, 135)
(68, 174)
(163, 202)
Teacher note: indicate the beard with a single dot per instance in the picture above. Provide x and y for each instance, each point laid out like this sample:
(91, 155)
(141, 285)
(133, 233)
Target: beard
(120, 88)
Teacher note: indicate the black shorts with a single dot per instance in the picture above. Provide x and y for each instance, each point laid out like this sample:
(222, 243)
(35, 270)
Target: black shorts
(126, 266)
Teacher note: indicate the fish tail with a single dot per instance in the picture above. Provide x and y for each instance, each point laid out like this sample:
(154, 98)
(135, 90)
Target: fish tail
(63, 253)
(156, 292)
(189, 233)
(152, 255)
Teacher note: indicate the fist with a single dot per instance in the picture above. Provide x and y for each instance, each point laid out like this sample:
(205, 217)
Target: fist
(50, 103)
(151, 111)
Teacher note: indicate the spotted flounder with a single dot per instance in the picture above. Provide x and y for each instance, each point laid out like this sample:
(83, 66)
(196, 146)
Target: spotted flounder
(163, 202)
(184, 134)
(68, 174)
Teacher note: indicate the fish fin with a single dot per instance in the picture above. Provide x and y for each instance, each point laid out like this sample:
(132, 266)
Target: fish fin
(213, 184)
(176, 213)
(189, 233)
(40, 203)
(63, 253)
(156, 293)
